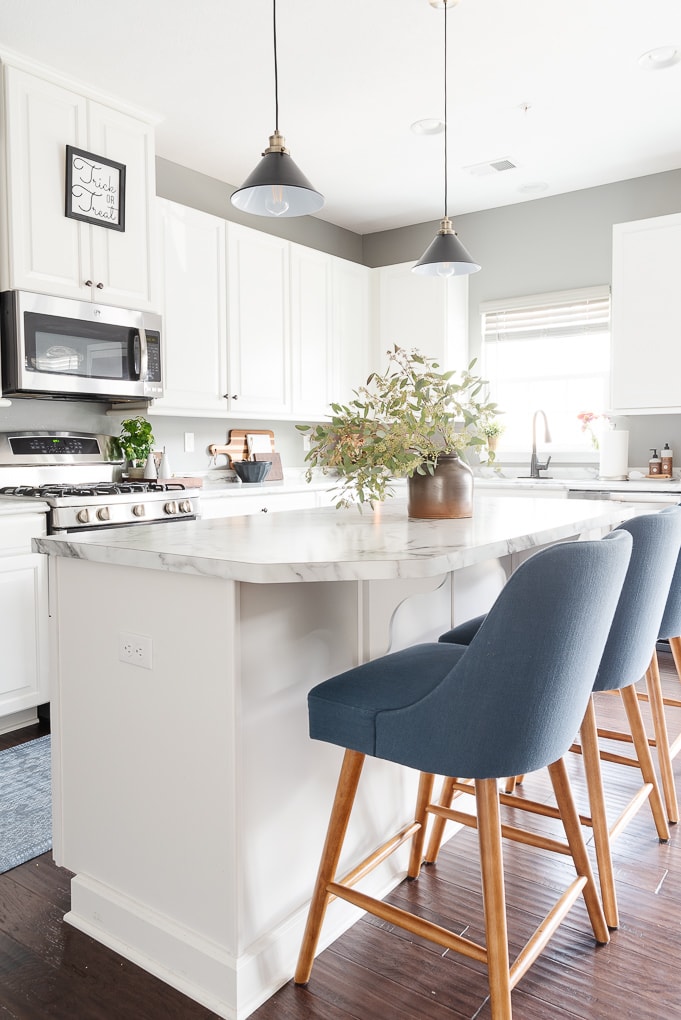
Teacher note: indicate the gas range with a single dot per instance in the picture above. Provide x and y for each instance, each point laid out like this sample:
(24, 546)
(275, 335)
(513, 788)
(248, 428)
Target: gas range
(73, 473)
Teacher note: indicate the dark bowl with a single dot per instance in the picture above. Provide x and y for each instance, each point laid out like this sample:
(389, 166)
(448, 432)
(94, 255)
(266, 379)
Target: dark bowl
(252, 470)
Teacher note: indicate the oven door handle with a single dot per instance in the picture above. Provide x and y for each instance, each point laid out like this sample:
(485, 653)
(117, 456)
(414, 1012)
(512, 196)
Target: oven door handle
(140, 354)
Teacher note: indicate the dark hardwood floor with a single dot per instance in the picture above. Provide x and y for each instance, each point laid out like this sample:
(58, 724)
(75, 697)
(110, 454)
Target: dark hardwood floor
(376, 972)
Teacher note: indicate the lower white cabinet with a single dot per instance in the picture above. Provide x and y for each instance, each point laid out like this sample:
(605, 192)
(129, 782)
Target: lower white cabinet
(23, 620)
(264, 502)
(646, 316)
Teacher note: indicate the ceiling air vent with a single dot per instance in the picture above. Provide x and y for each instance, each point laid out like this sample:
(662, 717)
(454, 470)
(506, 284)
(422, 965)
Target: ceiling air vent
(494, 166)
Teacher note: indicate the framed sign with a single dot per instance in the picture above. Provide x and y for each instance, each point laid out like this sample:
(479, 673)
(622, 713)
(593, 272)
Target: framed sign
(95, 189)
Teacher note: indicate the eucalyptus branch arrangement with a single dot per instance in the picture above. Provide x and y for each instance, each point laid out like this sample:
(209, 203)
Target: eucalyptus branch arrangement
(399, 423)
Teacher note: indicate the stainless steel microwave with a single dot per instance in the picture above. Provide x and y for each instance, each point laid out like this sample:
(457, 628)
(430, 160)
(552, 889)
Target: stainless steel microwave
(57, 347)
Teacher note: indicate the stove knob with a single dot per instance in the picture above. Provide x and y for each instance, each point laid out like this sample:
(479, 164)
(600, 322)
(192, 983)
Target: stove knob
(83, 516)
(103, 514)
(185, 506)
(171, 508)
(139, 510)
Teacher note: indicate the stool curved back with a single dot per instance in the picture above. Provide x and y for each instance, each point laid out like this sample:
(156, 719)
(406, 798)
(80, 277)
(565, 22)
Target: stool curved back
(514, 701)
(635, 627)
(671, 618)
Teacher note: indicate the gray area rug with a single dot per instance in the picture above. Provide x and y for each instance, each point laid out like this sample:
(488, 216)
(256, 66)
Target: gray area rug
(25, 802)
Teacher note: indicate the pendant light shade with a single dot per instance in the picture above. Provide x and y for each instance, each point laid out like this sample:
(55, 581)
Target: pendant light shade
(446, 255)
(277, 187)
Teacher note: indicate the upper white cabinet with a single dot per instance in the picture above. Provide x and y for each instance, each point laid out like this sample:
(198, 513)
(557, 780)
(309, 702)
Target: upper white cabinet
(311, 331)
(646, 316)
(194, 311)
(425, 312)
(46, 251)
(258, 316)
(354, 354)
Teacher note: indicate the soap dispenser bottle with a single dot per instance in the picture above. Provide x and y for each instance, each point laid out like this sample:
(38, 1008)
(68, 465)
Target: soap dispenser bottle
(654, 464)
(667, 463)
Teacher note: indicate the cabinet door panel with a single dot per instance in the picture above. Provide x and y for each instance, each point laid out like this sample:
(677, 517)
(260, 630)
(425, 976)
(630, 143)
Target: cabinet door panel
(48, 252)
(354, 354)
(259, 367)
(23, 616)
(310, 331)
(646, 316)
(194, 311)
(123, 261)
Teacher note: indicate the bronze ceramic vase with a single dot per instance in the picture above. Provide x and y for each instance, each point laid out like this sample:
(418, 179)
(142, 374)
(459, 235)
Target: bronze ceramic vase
(446, 494)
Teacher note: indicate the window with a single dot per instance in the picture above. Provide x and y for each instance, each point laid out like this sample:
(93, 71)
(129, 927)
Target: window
(549, 351)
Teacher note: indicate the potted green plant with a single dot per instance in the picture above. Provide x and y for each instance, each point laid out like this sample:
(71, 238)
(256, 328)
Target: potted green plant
(412, 421)
(135, 443)
(492, 428)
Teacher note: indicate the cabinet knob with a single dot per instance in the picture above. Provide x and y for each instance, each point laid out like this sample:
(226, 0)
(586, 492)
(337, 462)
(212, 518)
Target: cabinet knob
(100, 286)
(231, 396)
(88, 283)
(263, 509)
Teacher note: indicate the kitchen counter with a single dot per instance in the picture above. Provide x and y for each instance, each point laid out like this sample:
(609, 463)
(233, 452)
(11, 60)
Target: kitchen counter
(11, 506)
(183, 774)
(627, 487)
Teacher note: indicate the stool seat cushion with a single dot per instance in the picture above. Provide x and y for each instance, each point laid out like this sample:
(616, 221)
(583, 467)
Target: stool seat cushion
(344, 709)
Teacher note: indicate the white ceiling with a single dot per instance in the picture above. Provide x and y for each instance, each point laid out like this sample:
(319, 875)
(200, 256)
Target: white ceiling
(353, 76)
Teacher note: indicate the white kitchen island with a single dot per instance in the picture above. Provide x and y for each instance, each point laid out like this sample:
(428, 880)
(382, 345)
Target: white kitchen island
(189, 800)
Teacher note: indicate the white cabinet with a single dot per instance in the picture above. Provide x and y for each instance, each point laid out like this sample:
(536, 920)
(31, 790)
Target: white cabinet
(258, 317)
(646, 316)
(311, 332)
(354, 355)
(425, 312)
(23, 620)
(46, 251)
(194, 312)
(263, 502)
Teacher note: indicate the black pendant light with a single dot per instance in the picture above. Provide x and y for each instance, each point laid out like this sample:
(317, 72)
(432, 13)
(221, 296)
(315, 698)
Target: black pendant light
(277, 187)
(445, 256)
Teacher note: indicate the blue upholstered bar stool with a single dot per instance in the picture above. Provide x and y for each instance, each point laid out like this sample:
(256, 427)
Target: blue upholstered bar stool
(656, 545)
(670, 630)
(509, 702)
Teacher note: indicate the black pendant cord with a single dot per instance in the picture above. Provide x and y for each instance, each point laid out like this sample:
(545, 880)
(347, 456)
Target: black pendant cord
(276, 72)
(446, 146)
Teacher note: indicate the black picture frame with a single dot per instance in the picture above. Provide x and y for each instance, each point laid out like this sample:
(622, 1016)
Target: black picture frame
(95, 189)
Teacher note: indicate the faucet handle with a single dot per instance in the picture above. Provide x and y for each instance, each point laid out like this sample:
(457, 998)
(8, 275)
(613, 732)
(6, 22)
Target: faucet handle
(544, 467)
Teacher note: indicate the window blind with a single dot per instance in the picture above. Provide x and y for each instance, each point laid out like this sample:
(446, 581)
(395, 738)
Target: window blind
(565, 314)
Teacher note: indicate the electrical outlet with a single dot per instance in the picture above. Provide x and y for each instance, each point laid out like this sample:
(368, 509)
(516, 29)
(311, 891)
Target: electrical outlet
(135, 649)
(189, 442)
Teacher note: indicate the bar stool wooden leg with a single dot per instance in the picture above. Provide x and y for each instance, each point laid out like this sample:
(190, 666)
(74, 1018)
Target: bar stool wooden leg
(575, 838)
(438, 829)
(656, 701)
(645, 759)
(594, 781)
(338, 824)
(494, 898)
(423, 799)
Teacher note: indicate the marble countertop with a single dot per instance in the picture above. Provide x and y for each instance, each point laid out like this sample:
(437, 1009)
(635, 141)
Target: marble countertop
(632, 485)
(330, 545)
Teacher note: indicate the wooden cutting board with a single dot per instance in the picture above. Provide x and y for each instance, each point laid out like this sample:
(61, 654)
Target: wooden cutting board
(237, 447)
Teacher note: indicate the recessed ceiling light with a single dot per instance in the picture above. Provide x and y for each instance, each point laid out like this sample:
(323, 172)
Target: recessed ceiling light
(533, 188)
(661, 58)
(428, 126)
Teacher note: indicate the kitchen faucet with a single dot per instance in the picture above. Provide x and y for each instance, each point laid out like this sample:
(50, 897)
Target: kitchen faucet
(535, 464)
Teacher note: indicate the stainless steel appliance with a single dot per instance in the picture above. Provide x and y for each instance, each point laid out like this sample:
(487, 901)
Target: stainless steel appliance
(85, 351)
(73, 473)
